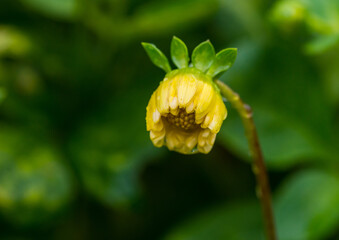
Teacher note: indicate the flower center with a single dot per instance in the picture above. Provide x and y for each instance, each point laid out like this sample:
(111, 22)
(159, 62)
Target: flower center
(183, 120)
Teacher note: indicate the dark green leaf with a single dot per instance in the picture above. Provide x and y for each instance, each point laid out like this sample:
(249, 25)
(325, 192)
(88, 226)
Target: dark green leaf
(293, 126)
(240, 221)
(223, 61)
(179, 53)
(35, 184)
(203, 56)
(13, 42)
(116, 149)
(305, 209)
(321, 44)
(157, 57)
(278, 136)
(321, 18)
(64, 9)
(307, 206)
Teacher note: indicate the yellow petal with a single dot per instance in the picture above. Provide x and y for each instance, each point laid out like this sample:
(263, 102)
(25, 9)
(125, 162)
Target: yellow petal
(220, 114)
(158, 126)
(174, 103)
(199, 120)
(158, 143)
(205, 133)
(162, 97)
(158, 138)
(205, 104)
(194, 96)
(190, 107)
(172, 141)
(181, 141)
(173, 97)
(149, 112)
(192, 140)
(201, 140)
(210, 115)
(205, 98)
(205, 149)
(205, 141)
(211, 139)
(186, 89)
(156, 116)
(208, 119)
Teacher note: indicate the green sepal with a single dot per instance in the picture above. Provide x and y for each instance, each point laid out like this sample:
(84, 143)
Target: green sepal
(222, 62)
(179, 53)
(157, 57)
(203, 56)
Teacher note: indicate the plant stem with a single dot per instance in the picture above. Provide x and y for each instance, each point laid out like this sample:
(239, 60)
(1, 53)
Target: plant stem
(259, 168)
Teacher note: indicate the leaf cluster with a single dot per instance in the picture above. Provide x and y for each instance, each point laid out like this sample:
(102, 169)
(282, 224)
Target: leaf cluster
(203, 57)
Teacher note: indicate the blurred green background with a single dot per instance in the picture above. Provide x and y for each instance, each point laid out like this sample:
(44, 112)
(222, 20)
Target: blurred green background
(76, 161)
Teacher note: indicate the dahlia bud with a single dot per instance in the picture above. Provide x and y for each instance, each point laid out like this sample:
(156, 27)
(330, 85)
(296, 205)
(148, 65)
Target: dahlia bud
(186, 111)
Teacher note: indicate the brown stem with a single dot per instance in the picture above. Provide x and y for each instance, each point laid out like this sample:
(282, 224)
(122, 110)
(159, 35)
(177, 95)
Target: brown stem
(259, 168)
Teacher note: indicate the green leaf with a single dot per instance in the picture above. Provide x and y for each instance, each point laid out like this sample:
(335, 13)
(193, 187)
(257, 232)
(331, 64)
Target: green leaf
(35, 184)
(158, 17)
(13, 42)
(203, 56)
(116, 149)
(293, 120)
(306, 207)
(235, 221)
(179, 53)
(278, 135)
(63, 9)
(320, 17)
(223, 61)
(321, 44)
(157, 57)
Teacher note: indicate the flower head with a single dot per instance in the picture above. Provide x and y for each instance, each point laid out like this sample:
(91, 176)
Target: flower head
(186, 111)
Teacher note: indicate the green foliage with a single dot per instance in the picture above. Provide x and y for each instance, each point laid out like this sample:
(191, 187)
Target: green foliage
(235, 221)
(306, 206)
(77, 84)
(116, 149)
(64, 9)
(157, 57)
(222, 62)
(179, 53)
(321, 18)
(298, 116)
(322, 43)
(13, 42)
(35, 184)
(203, 56)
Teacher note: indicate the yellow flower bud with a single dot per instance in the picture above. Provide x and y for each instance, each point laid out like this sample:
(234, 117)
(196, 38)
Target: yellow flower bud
(185, 112)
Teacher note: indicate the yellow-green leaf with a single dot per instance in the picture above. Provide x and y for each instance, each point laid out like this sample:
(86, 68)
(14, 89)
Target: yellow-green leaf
(157, 57)
(203, 56)
(179, 53)
(223, 61)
